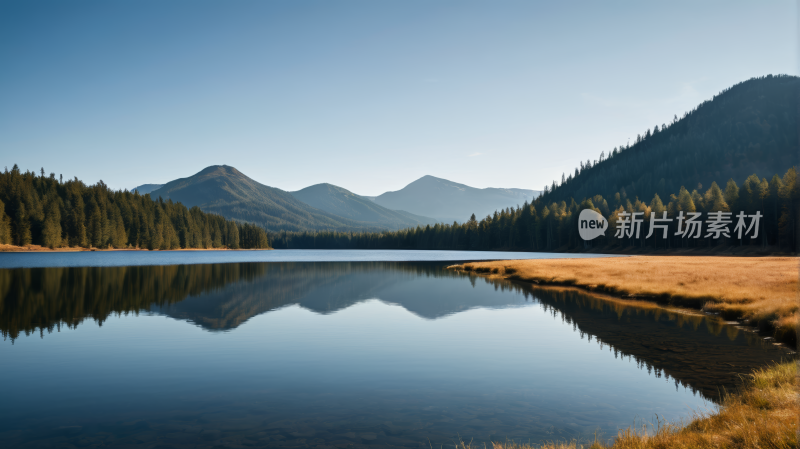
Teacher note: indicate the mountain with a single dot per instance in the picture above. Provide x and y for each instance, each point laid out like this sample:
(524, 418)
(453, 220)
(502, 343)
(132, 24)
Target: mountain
(749, 128)
(146, 188)
(449, 201)
(224, 190)
(344, 203)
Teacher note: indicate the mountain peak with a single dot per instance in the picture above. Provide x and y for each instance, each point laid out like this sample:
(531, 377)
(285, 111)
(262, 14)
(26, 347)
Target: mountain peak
(429, 178)
(450, 201)
(344, 203)
(219, 169)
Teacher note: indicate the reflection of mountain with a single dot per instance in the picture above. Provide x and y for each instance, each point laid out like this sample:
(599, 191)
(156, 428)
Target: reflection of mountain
(320, 287)
(218, 296)
(695, 350)
(324, 287)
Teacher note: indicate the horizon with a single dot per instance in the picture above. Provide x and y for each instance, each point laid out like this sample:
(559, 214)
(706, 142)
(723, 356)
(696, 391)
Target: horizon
(482, 95)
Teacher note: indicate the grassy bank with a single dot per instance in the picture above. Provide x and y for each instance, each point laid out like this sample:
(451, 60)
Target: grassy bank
(760, 291)
(764, 414)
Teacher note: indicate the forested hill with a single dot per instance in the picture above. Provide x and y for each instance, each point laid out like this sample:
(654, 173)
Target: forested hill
(42, 210)
(224, 190)
(750, 128)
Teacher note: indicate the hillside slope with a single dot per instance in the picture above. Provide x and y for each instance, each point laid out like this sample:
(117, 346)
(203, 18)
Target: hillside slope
(226, 191)
(344, 203)
(146, 188)
(749, 128)
(449, 201)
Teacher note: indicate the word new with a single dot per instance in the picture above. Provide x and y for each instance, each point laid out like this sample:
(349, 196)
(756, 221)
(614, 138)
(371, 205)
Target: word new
(689, 225)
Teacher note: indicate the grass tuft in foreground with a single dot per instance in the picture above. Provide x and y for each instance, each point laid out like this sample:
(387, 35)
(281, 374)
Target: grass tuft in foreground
(764, 414)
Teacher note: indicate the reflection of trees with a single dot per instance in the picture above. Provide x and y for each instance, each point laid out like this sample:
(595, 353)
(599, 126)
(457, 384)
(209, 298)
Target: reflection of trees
(39, 299)
(46, 298)
(692, 349)
(696, 351)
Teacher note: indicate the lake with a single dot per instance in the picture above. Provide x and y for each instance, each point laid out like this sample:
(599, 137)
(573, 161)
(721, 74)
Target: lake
(338, 354)
(131, 258)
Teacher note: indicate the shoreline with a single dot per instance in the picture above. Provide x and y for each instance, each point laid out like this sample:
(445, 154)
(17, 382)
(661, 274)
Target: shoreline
(768, 305)
(765, 412)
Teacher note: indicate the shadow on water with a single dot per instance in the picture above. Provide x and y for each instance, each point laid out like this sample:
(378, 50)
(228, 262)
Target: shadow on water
(698, 352)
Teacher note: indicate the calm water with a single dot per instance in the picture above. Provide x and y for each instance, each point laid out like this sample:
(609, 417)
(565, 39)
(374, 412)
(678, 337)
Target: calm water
(299, 354)
(130, 258)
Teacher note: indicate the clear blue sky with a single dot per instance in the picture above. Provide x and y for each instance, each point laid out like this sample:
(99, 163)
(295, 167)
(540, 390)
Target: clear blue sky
(367, 95)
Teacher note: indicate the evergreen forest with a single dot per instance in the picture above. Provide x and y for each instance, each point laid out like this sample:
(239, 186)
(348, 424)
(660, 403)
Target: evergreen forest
(554, 227)
(43, 210)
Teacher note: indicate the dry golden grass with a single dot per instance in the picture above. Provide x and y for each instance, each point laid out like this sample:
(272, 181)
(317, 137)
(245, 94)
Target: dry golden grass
(765, 414)
(761, 290)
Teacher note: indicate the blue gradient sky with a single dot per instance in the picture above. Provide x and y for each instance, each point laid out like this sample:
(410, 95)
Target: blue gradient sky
(365, 95)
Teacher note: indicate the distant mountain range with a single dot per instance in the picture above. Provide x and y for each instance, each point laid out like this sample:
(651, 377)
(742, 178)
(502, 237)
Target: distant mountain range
(449, 201)
(347, 204)
(226, 191)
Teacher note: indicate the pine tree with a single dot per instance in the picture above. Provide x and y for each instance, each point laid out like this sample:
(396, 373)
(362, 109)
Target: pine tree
(51, 233)
(731, 194)
(715, 199)
(5, 226)
(118, 236)
(217, 235)
(95, 224)
(233, 235)
(657, 206)
(77, 223)
(22, 227)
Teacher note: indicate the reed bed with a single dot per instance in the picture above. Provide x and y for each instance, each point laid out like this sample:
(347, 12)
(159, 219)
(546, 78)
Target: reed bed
(760, 291)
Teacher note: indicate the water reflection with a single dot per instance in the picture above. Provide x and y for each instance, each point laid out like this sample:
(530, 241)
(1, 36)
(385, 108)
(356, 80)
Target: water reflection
(697, 351)
(218, 296)
(481, 358)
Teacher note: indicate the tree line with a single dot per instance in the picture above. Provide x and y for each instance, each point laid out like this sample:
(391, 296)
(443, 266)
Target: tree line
(42, 210)
(553, 226)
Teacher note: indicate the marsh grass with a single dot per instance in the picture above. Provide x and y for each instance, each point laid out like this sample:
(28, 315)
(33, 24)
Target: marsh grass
(761, 291)
(765, 413)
